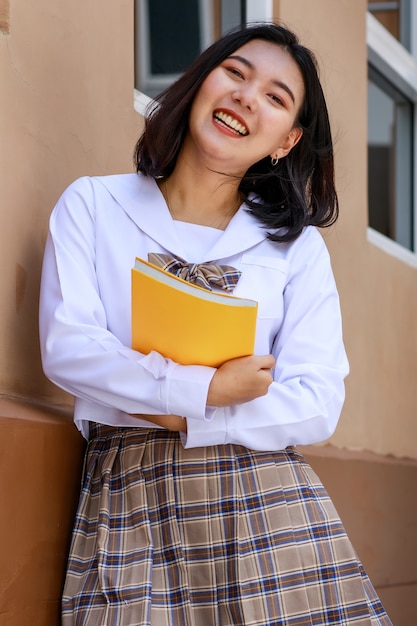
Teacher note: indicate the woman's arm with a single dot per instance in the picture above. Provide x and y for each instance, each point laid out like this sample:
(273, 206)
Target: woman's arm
(304, 401)
(241, 380)
(235, 382)
(79, 352)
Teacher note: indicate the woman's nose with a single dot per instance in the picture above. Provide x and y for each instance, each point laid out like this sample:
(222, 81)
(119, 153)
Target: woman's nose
(246, 96)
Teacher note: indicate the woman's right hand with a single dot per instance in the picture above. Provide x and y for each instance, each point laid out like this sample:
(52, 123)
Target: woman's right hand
(170, 422)
(241, 380)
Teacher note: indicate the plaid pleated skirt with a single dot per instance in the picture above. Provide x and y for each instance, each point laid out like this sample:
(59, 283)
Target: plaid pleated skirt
(215, 536)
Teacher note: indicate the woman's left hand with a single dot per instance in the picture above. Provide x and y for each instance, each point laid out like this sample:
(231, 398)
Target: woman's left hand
(170, 422)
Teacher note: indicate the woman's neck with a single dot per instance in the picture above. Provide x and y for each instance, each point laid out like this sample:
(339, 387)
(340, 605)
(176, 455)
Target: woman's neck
(208, 199)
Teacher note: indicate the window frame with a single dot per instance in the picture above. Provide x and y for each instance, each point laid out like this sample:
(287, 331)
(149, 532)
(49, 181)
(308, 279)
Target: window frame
(392, 60)
(256, 11)
(158, 82)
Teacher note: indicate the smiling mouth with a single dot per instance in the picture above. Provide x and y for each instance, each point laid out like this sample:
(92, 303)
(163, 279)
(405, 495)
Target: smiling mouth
(230, 123)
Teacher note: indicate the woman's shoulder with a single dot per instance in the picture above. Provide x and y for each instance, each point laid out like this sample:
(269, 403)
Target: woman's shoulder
(116, 181)
(309, 246)
(88, 184)
(310, 238)
(87, 194)
(99, 192)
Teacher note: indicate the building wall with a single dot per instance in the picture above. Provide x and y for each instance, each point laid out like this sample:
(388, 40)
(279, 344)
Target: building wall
(66, 110)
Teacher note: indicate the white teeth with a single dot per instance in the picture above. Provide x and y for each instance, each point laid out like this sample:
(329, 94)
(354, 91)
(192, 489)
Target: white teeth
(231, 122)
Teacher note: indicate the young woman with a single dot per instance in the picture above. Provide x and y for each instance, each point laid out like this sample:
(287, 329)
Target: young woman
(196, 508)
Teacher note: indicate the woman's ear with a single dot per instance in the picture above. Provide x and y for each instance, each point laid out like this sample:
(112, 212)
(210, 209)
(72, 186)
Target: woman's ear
(291, 140)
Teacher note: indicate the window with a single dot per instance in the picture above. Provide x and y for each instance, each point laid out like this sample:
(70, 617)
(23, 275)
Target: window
(392, 106)
(390, 160)
(169, 35)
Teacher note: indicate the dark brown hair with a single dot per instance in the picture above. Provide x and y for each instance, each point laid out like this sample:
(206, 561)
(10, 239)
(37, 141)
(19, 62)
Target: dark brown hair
(300, 190)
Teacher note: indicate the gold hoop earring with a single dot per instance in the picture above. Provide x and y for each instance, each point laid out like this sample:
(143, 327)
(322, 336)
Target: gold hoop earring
(274, 161)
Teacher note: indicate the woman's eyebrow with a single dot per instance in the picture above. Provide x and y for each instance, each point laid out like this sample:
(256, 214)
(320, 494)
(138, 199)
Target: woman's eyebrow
(250, 65)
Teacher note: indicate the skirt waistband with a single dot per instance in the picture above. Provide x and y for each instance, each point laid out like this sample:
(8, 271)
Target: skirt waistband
(98, 431)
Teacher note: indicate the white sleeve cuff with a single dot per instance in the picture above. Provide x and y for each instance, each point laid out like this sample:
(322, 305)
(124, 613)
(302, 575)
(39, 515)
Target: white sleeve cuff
(187, 391)
(208, 432)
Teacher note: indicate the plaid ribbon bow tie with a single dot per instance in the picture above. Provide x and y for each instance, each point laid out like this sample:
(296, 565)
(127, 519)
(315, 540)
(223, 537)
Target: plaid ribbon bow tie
(201, 274)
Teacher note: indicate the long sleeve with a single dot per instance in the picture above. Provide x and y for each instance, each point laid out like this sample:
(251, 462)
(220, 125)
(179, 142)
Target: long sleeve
(85, 315)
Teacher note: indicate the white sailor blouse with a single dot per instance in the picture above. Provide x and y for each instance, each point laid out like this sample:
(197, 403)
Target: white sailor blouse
(97, 229)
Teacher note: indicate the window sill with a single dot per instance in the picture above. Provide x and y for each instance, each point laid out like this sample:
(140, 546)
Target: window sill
(141, 102)
(391, 247)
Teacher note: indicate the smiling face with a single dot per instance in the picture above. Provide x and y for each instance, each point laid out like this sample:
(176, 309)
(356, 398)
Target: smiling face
(246, 109)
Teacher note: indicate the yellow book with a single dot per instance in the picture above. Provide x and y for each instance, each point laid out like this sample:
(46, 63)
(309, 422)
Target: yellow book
(186, 323)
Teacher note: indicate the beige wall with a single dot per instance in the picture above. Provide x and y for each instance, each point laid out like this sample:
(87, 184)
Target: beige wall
(66, 111)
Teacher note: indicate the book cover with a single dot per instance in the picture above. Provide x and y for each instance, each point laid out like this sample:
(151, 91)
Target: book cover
(186, 323)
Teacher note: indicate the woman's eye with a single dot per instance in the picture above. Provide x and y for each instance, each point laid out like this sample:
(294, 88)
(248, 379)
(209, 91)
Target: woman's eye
(277, 99)
(235, 72)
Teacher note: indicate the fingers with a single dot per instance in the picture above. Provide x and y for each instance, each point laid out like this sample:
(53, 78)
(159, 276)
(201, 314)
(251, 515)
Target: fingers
(266, 361)
(265, 378)
(241, 380)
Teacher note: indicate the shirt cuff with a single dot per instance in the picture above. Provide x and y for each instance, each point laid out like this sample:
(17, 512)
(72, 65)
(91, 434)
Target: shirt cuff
(187, 391)
(208, 432)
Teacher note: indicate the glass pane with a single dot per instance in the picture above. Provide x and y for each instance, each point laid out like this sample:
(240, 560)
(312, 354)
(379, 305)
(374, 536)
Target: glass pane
(169, 36)
(233, 13)
(390, 147)
(174, 34)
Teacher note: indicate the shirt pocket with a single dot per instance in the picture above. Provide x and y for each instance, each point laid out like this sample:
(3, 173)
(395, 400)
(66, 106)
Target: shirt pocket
(264, 279)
